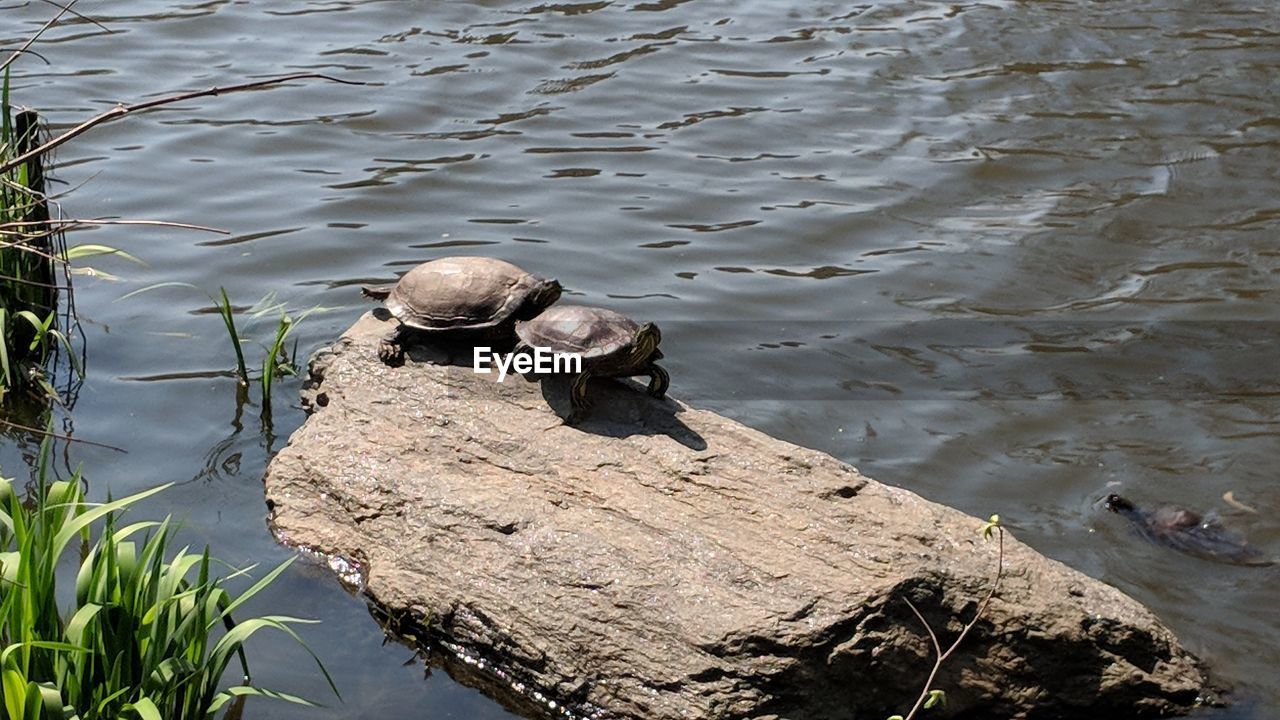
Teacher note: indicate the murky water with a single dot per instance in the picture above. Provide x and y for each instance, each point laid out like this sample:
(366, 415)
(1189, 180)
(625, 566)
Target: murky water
(1009, 255)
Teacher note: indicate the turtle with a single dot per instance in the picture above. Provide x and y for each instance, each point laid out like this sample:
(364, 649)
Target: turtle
(609, 343)
(1188, 531)
(467, 295)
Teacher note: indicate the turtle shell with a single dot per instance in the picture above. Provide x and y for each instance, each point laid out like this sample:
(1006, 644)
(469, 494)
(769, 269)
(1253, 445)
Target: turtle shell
(596, 333)
(1188, 531)
(460, 293)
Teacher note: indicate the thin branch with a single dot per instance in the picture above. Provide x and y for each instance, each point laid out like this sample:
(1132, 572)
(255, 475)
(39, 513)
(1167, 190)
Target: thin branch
(26, 248)
(32, 40)
(937, 648)
(19, 228)
(120, 111)
(71, 222)
(31, 197)
(23, 244)
(36, 283)
(982, 607)
(82, 16)
(54, 198)
(50, 433)
(18, 188)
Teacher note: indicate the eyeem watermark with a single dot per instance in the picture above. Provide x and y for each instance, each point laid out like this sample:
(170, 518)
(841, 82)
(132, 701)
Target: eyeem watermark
(538, 360)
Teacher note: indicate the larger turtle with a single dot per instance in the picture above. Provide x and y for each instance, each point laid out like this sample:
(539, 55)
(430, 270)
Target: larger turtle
(1186, 530)
(609, 343)
(475, 296)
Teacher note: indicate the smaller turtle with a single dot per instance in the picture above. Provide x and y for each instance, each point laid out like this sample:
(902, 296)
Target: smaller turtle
(609, 343)
(1188, 531)
(480, 296)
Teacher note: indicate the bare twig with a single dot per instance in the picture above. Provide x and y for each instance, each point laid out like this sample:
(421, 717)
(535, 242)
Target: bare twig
(71, 222)
(31, 40)
(56, 196)
(82, 16)
(52, 434)
(20, 229)
(23, 247)
(941, 657)
(120, 111)
(36, 283)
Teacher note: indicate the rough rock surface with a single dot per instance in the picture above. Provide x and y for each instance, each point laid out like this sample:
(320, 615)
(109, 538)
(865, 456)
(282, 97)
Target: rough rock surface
(662, 562)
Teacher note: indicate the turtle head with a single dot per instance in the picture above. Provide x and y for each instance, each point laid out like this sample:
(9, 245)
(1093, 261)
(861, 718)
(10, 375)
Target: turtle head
(1117, 504)
(543, 295)
(646, 342)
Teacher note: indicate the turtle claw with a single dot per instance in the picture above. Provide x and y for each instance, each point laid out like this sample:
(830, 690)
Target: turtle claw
(391, 353)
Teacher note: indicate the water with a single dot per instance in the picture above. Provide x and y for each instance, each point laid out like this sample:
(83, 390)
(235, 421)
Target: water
(1008, 255)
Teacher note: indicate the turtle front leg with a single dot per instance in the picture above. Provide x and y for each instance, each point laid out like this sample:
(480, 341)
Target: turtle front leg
(578, 398)
(391, 348)
(659, 380)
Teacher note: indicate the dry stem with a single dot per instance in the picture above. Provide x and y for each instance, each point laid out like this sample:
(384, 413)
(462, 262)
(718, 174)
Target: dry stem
(52, 434)
(941, 656)
(31, 40)
(120, 111)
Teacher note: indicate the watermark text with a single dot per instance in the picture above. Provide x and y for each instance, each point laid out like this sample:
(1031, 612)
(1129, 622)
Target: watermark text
(542, 361)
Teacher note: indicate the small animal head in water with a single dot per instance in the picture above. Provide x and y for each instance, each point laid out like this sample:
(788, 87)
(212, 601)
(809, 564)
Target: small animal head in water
(1115, 503)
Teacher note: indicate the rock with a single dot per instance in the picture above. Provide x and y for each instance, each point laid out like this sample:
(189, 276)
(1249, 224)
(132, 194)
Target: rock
(662, 562)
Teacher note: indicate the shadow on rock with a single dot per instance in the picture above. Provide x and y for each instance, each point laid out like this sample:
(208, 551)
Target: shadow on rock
(620, 408)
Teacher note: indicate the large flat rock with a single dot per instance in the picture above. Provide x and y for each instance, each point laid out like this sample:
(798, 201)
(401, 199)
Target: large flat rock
(662, 562)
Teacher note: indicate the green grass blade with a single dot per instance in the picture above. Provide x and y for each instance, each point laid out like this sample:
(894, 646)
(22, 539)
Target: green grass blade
(79, 252)
(228, 319)
(156, 286)
(80, 523)
(146, 709)
(254, 590)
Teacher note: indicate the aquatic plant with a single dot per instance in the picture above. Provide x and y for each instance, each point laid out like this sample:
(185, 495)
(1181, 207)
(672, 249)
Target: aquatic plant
(150, 632)
(931, 697)
(32, 249)
(229, 320)
(42, 338)
(276, 361)
(28, 248)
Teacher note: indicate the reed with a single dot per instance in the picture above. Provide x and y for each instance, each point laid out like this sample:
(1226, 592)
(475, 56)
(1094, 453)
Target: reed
(229, 321)
(149, 634)
(32, 249)
(29, 247)
(276, 361)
